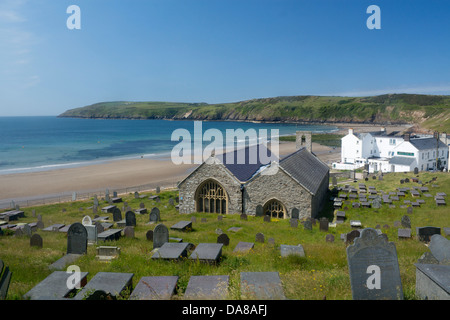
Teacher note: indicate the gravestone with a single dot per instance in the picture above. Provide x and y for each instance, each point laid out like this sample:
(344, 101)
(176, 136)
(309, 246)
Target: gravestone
(87, 221)
(440, 248)
(193, 219)
(117, 214)
(182, 226)
(243, 246)
(223, 239)
(259, 237)
(323, 226)
(160, 235)
(136, 195)
(432, 281)
(295, 213)
(259, 210)
(154, 215)
(351, 236)
(373, 268)
(158, 189)
(107, 253)
(261, 286)
(111, 283)
(404, 234)
(130, 219)
(334, 181)
(376, 203)
(92, 233)
(207, 252)
(409, 210)
(287, 250)
(27, 230)
(307, 224)
(294, 223)
(149, 235)
(207, 288)
(171, 251)
(406, 222)
(203, 220)
(329, 238)
(220, 217)
(243, 217)
(424, 233)
(267, 218)
(171, 201)
(416, 170)
(36, 241)
(141, 205)
(77, 239)
(128, 231)
(155, 288)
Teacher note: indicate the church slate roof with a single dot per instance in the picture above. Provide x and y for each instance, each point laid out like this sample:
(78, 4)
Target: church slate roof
(426, 143)
(305, 168)
(244, 163)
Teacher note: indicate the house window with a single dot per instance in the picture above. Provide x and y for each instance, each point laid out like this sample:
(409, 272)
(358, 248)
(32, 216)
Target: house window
(400, 153)
(392, 141)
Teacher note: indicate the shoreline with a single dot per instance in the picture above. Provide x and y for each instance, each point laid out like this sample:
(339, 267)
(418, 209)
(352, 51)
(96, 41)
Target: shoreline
(129, 173)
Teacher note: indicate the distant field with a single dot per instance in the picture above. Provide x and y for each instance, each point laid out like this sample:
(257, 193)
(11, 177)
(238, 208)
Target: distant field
(322, 273)
(330, 140)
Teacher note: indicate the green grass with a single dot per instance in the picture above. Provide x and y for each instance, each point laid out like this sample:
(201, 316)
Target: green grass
(330, 140)
(322, 273)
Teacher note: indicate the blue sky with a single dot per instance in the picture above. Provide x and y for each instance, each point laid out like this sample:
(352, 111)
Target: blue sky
(216, 51)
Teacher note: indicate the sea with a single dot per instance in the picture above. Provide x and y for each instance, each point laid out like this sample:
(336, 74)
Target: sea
(40, 143)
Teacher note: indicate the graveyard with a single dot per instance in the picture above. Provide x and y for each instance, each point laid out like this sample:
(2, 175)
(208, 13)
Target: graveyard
(303, 260)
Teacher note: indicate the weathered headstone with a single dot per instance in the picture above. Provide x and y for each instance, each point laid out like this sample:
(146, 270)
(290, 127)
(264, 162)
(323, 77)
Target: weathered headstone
(259, 210)
(154, 215)
(329, 238)
(171, 251)
(350, 237)
(243, 217)
(404, 234)
(223, 239)
(117, 214)
(128, 231)
(149, 235)
(155, 288)
(267, 218)
(406, 222)
(207, 288)
(36, 241)
(77, 239)
(182, 226)
(323, 224)
(243, 246)
(294, 223)
(86, 221)
(432, 281)
(259, 237)
(261, 286)
(130, 219)
(287, 250)
(207, 252)
(440, 248)
(307, 224)
(160, 235)
(373, 268)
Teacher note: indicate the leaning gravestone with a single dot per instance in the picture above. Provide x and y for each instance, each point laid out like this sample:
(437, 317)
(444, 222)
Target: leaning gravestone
(373, 268)
(77, 239)
(440, 248)
(160, 235)
(130, 219)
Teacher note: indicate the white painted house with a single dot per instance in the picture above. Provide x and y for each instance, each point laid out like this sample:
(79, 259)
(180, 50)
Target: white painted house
(384, 152)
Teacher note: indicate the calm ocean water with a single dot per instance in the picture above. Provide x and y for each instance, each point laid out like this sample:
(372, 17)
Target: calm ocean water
(30, 144)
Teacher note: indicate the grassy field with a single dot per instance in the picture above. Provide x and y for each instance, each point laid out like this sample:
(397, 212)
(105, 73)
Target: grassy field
(322, 273)
(330, 140)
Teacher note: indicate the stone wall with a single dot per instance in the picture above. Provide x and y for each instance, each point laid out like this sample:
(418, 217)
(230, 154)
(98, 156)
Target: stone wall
(321, 197)
(211, 169)
(278, 186)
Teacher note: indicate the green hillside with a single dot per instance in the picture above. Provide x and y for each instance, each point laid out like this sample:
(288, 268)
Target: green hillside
(426, 111)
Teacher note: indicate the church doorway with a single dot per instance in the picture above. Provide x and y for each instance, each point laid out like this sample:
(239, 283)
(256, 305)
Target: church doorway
(274, 208)
(211, 197)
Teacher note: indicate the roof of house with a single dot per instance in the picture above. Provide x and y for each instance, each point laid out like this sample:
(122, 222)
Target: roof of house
(305, 168)
(426, 143)
(405, 161)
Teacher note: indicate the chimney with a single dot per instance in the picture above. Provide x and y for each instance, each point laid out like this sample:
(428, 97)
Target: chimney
(303, 139)
(407, 136)
(444, 138)
(383, 129)
(350, 131)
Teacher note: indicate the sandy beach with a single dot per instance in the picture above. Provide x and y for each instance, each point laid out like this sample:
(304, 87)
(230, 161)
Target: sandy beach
(130, 173)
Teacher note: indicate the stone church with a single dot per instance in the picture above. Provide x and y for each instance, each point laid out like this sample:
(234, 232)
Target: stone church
(294, 186)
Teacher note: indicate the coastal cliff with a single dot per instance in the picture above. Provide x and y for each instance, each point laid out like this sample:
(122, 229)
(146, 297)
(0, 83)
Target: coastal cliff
(425, 111)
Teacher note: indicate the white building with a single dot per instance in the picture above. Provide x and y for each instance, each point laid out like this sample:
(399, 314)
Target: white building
(379, 151)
